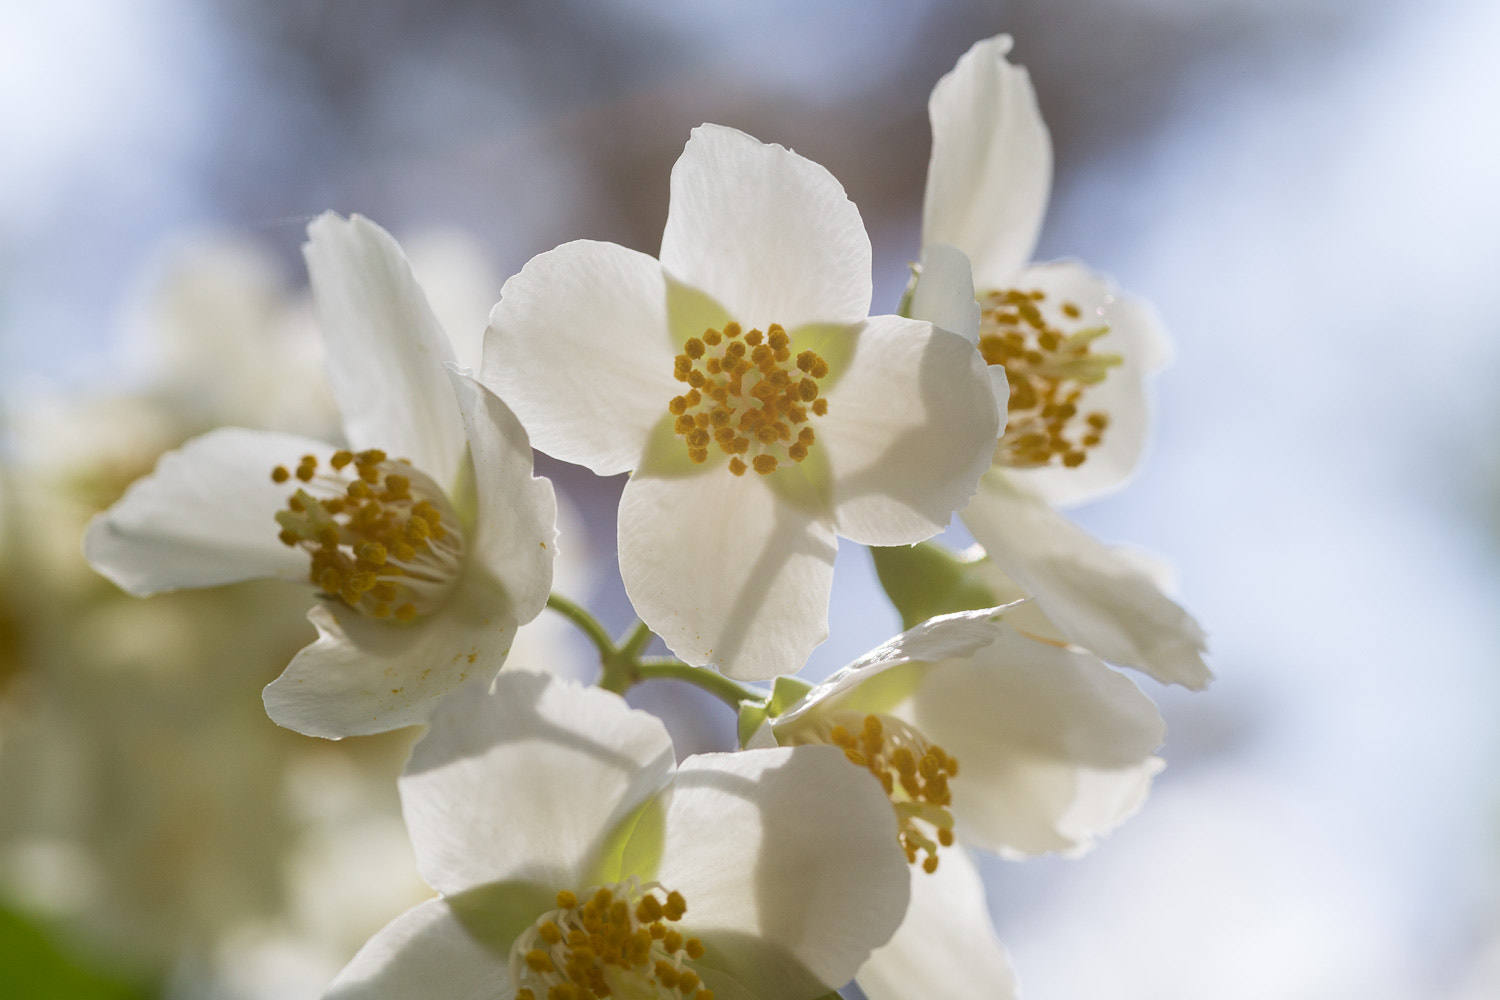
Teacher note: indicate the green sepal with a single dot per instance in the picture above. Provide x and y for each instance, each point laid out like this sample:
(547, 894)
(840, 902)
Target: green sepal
(753, 715)
(925, 580)
(786, 692)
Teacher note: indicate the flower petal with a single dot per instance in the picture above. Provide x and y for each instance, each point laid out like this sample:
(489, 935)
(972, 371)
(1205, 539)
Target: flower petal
(991, 166)
(528, 782)
(1054, 746)
(769, 234)
(579, 347)
(386, 351)
(1135, 335)
(206, 516)
(366, 676)
(426, 948)
(725, 572)
(945, 947)
(784, 853)
(1097, 598)
(961, 634)
(515, 538)
(910, 427)
(944, 292)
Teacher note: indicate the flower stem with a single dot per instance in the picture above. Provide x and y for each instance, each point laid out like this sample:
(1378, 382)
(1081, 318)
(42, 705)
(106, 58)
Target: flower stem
(590, 626)
(718, 685)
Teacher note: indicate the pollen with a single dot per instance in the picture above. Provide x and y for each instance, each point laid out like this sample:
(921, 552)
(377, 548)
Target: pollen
(1050, 372)
(913, 771)
(613, 940)
(380, 536)
(748, 397)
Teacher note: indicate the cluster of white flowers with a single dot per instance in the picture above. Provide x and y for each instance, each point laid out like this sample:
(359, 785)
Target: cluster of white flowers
(761, 413)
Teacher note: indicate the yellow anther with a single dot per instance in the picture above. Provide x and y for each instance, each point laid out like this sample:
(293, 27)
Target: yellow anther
(745, 398)
(280, 474)
(1050, 367)
(341, 458)
(694, 948)
(913, 772)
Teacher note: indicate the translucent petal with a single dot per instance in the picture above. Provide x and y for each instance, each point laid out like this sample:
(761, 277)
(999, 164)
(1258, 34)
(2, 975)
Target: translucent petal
(426, 947)
(769, 234)
(386, 351)
(944, 292)
(1054, 747)
(515, 536)
(206, 516)
(1095, 596)
(1136, 336)
(579, 346)
(910, 427)
(366, 676)
(945, 947)
(528, 782)
(725, 571)
(788, 854)
(991, 166)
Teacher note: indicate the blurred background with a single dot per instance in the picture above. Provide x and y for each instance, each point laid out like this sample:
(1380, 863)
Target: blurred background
(1306, 190)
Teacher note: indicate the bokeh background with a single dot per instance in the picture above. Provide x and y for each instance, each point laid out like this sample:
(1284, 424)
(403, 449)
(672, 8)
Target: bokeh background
(1307, 190)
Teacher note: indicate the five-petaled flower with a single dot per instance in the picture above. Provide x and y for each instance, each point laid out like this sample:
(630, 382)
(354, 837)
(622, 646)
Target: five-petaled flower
(1070, 356)
(430, 541)
(574, 863)
(760, 409)
(981, 736)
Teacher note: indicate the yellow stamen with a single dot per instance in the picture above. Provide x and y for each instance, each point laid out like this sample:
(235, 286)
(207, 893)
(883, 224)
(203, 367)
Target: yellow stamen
(913, 772)
(615, 943)
(1050, 371)
(744, 398)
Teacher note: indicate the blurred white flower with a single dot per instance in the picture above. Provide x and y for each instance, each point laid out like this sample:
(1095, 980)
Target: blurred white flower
(428, 561)
(567, 851)
(1074, 355)
(747, 347)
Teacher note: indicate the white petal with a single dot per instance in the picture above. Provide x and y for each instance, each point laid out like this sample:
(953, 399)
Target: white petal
(769, 234)
(945, 947)
(963, 633)
(1136, 336)
(527, 782)
(944, 293)
(1054, 747)
(386, 352)
(515, 537)
(206, 516)
(910, 427)
(427, 948)
(366, 676)
(1095, 597)
(579, 346)
(991, 165)
(725, 571)
(793, 846)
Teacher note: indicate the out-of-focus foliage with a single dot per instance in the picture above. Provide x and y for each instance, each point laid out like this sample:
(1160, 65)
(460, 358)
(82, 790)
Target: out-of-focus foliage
(32, 966)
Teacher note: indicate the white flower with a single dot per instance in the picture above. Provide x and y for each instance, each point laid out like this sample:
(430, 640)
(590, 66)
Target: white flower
(429, 544)
(566, 849)
(985, 737)
(746, 347)
(1074, 353)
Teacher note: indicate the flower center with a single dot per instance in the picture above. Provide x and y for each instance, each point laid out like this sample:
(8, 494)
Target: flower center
(1049, 371)
(747, 395)
(615, 943)
(381, 535)
(913, 772)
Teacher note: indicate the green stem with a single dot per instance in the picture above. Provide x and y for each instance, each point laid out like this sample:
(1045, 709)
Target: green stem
(635, 641)
(718, 685)
(590, 626)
